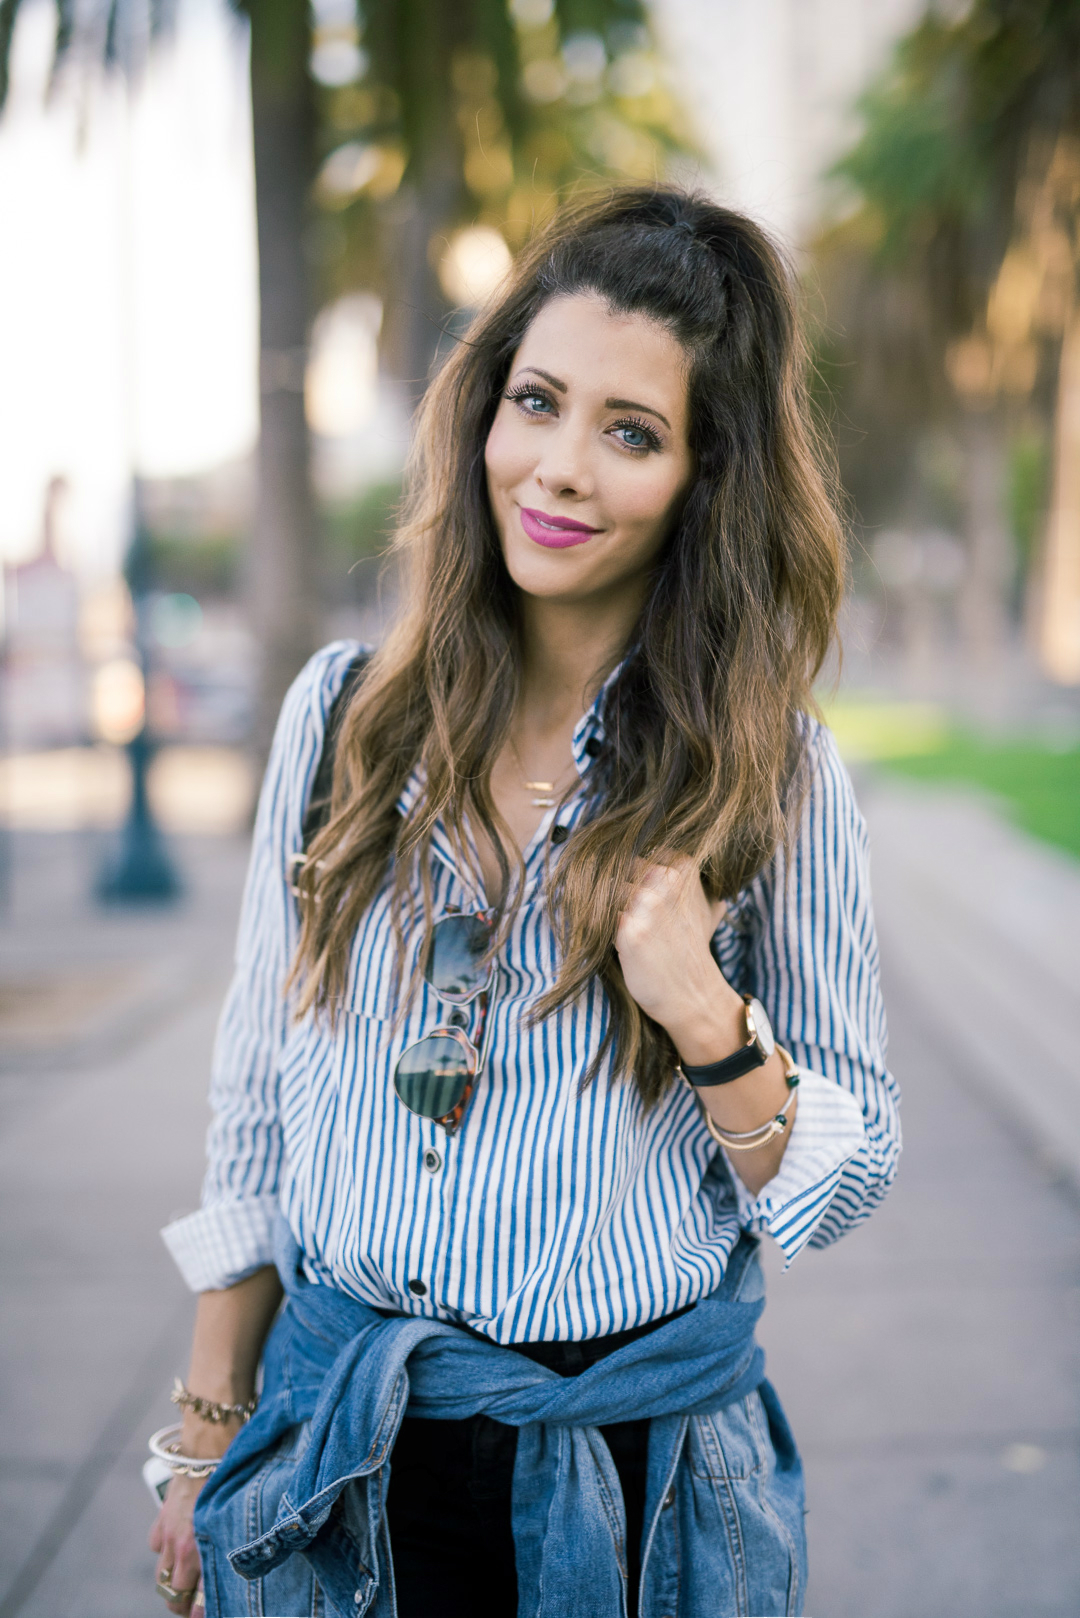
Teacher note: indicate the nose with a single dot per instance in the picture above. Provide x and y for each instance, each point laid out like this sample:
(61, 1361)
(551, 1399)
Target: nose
(564, 469)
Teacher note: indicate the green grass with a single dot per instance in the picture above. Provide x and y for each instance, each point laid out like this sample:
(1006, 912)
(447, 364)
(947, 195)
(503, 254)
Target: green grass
(1037, 784)
(1040, 788)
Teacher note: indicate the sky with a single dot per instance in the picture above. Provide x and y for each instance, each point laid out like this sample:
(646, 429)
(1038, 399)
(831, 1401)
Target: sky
(128, 291)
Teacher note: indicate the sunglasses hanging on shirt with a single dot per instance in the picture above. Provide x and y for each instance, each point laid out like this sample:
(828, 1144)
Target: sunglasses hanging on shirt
(434, 1077)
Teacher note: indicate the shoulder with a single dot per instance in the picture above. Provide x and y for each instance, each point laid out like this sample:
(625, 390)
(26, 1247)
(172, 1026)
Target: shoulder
(825, 787)
(311, 696)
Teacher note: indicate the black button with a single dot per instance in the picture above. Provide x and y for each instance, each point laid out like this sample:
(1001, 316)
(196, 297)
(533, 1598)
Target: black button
(459, 1019)
(417, 1288)
(559, 834)
(594, 747)
(432, 1160)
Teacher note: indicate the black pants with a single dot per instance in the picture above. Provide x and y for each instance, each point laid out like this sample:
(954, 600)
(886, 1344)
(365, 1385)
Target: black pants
(449, 1501)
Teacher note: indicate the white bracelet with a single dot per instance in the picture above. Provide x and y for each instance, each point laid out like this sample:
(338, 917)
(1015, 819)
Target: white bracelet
(165, 1444)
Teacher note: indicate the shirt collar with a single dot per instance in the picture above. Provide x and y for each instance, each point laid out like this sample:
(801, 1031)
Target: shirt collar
(589, 733)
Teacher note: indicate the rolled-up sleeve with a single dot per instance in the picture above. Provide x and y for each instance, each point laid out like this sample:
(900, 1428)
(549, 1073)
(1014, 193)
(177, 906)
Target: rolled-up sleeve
(231, 1234)
(804, 943)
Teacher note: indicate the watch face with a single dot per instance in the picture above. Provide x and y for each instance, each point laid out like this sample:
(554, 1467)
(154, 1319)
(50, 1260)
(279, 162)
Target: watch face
(763, 1028)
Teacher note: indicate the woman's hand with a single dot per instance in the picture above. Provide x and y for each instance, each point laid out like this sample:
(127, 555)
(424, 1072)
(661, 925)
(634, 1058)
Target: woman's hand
(663, 948)
(230, 1330)
(173, 1539)
(172, 1535)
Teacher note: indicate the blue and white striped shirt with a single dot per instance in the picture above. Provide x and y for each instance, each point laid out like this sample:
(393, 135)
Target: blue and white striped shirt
(552, 1213)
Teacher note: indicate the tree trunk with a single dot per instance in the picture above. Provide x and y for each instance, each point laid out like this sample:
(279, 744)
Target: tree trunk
(415, 311)
(985, 587)
(1059, 584)
(283, 561)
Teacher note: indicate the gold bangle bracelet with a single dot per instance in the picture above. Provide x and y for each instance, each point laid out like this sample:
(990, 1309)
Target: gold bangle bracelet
(752, 1139)
(762, 1136)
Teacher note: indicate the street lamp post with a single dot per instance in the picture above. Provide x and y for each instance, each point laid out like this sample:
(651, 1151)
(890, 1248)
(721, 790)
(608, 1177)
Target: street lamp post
(139, 870)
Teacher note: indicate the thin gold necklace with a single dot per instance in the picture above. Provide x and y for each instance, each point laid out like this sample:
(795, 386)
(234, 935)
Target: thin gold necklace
(545, 789)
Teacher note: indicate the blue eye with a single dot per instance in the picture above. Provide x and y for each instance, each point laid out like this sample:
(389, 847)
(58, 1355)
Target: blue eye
(533, 401)
(637, 436)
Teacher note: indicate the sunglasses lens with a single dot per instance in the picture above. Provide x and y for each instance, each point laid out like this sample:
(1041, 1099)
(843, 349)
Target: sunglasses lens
(455, 963)
(432, 1075)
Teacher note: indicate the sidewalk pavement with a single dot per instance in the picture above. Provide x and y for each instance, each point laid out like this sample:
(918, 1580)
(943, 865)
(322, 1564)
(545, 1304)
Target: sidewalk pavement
(929, 1361)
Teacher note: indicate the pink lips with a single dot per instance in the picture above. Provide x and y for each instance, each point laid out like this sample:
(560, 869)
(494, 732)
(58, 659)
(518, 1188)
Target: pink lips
(555, 532)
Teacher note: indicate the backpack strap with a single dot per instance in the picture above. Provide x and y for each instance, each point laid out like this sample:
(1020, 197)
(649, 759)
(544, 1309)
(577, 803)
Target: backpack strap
(317, 812)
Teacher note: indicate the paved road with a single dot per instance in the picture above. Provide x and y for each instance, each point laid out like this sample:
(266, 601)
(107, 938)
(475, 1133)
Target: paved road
(929, 1361)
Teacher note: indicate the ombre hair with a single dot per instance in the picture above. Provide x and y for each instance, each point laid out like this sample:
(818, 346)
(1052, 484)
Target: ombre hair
(704, 722)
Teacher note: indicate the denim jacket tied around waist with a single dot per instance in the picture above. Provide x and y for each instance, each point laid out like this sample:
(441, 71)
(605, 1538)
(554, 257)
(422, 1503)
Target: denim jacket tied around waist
(298, 1500)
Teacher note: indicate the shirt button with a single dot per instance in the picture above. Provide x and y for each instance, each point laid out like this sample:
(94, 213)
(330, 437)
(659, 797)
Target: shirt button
(559, 834)
(433, 1163)
(669, 1498)
(594, 747)
(459, 1019)
(417, 1288)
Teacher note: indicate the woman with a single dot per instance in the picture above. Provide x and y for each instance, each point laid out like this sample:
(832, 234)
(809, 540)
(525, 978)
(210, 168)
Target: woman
(500, 1046)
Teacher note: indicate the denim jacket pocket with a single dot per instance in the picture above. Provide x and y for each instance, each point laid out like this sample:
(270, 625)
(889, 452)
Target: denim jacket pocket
(727, 1444)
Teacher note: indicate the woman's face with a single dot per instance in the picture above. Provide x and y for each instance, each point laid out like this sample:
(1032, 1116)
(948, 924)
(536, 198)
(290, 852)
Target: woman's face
(587, 458)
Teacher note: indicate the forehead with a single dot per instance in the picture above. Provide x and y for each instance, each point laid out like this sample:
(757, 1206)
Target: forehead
(596, 350)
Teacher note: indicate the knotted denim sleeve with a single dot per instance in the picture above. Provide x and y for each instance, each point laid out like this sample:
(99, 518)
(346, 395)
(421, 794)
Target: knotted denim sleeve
(348, 1374)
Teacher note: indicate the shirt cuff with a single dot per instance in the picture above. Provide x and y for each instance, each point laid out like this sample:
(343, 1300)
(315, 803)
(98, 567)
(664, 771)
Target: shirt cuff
(219, 1245)
(827, 1131)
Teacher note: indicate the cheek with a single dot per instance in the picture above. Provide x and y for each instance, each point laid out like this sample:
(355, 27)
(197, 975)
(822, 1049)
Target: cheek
(505, 456)
(646, 502)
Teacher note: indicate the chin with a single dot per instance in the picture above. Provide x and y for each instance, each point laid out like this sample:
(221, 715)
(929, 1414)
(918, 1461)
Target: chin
(549, 574)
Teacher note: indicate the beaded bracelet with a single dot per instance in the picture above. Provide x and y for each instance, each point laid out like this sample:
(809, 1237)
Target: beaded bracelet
(208, 1409)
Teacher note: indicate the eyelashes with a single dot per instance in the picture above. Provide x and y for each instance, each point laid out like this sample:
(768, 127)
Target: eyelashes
(528, 390)
(634, 424)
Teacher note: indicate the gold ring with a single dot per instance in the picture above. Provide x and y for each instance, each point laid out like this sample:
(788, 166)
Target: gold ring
(164, 1588)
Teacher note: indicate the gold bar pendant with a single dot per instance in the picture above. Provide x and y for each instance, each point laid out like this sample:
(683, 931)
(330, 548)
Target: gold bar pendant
(540, 786)
(543, 803)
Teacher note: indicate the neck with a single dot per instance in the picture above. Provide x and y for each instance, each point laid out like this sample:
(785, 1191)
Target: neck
(568, 650)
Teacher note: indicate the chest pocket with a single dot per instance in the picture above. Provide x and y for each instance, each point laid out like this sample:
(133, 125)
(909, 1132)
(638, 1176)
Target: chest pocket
(370, 992)
(371, 988)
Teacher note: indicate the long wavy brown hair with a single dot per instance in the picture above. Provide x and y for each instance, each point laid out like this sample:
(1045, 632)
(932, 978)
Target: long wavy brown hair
(704, 728)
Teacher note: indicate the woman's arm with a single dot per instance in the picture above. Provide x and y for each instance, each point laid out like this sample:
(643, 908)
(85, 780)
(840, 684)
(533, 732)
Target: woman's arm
(809, 953)
(225, 1250)
(230, 1330)
(231, 1234)
(663, 946)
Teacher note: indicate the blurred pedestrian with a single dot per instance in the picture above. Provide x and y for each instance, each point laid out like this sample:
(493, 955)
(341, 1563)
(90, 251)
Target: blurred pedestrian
(556, 983)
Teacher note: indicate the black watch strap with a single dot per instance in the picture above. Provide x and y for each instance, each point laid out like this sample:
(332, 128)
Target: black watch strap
(732, 1067)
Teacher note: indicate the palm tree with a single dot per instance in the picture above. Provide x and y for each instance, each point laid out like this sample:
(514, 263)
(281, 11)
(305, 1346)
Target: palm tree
(437, 113)
(958, 275)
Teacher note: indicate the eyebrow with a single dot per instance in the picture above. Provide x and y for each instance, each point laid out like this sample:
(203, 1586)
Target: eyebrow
(630, 404)
(609, 404)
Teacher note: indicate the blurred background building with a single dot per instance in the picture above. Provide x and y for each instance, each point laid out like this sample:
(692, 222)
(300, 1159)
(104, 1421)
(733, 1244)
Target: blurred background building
(237, 240)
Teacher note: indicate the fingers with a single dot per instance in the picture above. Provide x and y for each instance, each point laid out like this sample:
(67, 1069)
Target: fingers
(182, 1602)
(178, 1568)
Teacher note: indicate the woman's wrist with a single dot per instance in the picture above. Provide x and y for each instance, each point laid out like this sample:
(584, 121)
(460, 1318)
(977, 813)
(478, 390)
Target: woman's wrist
(710, 1021)
(207, 1440)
